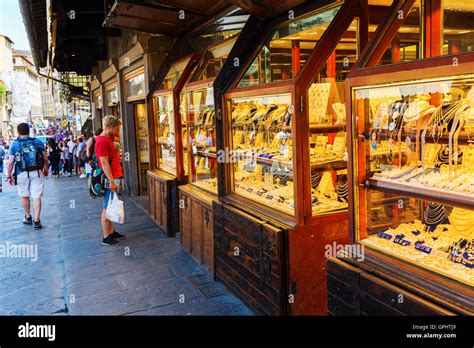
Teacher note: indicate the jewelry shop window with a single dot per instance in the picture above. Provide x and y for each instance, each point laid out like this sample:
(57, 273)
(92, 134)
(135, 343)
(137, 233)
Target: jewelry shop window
(165, 133)
(262, 150)
(327, 122)
(201, 116)
(202, 138)
(417, 202)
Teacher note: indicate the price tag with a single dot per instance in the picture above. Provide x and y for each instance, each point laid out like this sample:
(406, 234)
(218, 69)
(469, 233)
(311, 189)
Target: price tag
(384, 235)
(399, 240)
(423, 248)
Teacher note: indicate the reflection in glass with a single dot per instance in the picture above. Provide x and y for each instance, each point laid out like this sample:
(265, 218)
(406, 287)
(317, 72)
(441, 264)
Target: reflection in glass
(458, 26)
(136, 86)
(165, 133)
(274, 62)
(202, 139)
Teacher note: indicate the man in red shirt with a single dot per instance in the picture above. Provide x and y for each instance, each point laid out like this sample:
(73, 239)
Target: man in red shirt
(109, 161)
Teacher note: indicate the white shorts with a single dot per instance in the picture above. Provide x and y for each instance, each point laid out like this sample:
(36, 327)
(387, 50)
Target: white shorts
(31, 186)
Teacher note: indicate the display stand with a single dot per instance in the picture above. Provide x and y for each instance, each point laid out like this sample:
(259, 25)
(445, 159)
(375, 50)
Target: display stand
(196, 216)
(411, 178)
(284, 199)
(168, 149)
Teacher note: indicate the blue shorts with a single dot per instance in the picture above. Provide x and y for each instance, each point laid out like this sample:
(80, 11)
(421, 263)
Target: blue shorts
(107, 193)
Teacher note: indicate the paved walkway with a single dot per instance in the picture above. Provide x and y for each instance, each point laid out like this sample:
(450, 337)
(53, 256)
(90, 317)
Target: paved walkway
(148, 274)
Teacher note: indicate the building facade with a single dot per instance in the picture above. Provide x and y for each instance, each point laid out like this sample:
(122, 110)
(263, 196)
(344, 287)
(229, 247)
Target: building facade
(6, 70)
(26, 91)
(50, 96)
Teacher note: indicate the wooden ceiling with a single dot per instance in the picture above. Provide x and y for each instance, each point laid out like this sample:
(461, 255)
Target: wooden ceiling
(170, 17)
(267, 8)
(166, 16)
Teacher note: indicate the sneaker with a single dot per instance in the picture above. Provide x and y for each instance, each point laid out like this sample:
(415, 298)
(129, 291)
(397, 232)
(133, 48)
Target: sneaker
(28, 220)
(69, 175)
(117, 235)
(82, 176)
(109, 241)
(37, 225)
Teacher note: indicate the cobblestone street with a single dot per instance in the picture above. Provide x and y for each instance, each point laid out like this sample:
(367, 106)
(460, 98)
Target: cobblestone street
(76, 275)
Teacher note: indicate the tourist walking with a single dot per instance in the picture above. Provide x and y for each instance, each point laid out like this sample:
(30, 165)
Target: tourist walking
(65, 158)
(54, 157)
(27, 168)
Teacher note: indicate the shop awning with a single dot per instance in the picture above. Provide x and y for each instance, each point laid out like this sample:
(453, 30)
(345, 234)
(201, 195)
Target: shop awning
(77, 35)
(171, 17)
(34, 17)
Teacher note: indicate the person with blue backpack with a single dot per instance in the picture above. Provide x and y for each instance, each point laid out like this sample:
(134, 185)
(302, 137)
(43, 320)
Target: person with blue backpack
(27, 169)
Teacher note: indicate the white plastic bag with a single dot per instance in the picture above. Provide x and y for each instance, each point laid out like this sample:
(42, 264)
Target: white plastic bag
(88, 168)
(115, 211)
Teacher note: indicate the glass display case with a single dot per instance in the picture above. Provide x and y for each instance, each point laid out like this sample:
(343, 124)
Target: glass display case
(438, 237)
(262, 150)
(288, 118)
(166, 143)
(202, 139)
(418, 171)
(409, 100)
(183, 111)
(141, 123)
(262, 154)
(169, 108)
(200, 120)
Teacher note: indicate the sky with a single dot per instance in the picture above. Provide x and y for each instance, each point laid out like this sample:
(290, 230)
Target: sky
(11, 24)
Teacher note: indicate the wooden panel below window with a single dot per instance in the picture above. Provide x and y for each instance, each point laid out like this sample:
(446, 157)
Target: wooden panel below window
(208, 239)
(164, 206)
(186, 222)
(397, 298)
(151, 202)
(197, 231)
(354, 291)
(250, 259)
(197, 239)
(163, 201)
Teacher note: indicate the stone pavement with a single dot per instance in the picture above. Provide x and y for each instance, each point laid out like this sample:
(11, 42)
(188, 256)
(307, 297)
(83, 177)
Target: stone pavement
(148, 274)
